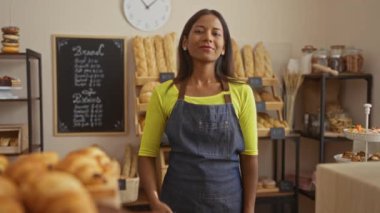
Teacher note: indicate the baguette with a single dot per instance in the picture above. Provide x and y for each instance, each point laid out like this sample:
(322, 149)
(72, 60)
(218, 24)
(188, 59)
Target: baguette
(150, 57)
(169, 52)
(249, 64)
(128, 159)
(160, 56)
(140, 58)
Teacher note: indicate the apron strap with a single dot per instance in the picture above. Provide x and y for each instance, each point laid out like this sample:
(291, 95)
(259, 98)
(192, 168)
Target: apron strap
(225, 88)
(182, 90)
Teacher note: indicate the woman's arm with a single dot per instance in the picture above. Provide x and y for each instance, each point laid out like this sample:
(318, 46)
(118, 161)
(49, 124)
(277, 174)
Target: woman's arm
(147, 172)
(249, 172)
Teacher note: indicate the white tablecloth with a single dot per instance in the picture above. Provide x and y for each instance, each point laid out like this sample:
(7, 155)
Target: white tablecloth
(348, 188)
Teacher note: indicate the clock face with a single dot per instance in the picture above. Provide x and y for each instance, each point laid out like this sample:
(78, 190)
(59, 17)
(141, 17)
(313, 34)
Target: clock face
(147, 15)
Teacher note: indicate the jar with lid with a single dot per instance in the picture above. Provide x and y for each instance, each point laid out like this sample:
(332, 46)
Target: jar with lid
(320, 57)
(354, 60)
(307, 53)
(336, 59)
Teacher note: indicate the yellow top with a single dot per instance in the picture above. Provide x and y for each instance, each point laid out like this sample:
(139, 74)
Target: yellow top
(164, 98)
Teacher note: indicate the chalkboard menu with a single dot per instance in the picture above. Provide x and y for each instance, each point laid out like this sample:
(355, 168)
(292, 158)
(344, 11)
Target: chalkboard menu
(90, 85)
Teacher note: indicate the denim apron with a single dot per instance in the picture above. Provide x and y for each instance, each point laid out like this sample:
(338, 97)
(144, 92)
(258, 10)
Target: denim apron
(204, 169)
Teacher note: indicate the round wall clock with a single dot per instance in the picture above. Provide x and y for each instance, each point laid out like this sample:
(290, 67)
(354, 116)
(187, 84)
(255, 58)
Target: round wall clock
(147, 15)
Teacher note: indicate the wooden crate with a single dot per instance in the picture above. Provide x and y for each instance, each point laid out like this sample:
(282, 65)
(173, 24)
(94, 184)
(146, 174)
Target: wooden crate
(16, 135)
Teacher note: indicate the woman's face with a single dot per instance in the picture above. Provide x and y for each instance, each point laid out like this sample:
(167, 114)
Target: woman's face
(205, 41)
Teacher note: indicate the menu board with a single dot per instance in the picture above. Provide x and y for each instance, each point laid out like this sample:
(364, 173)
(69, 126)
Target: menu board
(90, 85)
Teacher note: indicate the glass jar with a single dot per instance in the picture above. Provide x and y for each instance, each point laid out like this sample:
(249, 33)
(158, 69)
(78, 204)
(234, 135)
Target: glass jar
(320, 57)
(354, 60)
(336, 59)
(307, 53)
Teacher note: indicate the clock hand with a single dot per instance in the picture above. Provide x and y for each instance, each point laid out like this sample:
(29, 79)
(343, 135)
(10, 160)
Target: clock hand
(146, 6)
(149, 5)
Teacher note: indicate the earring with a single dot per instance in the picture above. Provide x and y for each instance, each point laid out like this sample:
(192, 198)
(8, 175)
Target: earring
(222, 53)
(184, 48)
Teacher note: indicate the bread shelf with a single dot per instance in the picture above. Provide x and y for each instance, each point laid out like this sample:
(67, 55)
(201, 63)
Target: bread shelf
(265, 132)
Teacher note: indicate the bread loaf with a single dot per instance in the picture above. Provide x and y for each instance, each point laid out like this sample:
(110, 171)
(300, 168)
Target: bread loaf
(248, 59)
(127, 161)
(150, 57)
(140, 58)
(160, 56)
(169, 52)
(263, 61)
(237, 60)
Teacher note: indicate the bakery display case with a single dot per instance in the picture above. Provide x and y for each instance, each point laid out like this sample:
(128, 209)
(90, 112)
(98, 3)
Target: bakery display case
(28, 136)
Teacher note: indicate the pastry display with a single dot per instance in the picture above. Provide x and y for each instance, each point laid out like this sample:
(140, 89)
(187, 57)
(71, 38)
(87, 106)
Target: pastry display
(96, 171)
(349, 156)
(10, 40)
(8, 81)
(265, 121)
(75, 183)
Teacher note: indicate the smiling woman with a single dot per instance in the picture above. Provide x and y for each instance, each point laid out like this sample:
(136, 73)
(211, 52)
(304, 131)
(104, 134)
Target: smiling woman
(147, 15)
(209, 119)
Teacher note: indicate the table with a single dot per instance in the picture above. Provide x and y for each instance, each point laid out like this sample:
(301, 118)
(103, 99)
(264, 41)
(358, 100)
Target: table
(348, 187)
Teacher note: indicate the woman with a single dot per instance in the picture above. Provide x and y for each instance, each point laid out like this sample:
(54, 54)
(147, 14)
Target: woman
(210, 121)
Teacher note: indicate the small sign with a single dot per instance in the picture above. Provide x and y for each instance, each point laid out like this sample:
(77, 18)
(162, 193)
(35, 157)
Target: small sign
(260, 106)
(122, 183)
(164, 76)
(277, 133)
(285, 186)
(255, 82)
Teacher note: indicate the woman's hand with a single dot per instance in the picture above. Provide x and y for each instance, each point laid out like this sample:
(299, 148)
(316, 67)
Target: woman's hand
(161, 207)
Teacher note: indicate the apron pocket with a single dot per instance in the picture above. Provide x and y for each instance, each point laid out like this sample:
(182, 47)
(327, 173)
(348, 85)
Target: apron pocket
(213, 139)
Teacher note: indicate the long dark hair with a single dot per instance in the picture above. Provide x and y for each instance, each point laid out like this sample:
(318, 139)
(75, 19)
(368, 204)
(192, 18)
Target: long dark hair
(223, 66)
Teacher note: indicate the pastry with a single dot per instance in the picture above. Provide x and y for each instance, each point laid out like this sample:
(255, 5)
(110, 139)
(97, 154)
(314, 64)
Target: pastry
(10, 40)
(269, 184)
(7, 204)
(3, 163)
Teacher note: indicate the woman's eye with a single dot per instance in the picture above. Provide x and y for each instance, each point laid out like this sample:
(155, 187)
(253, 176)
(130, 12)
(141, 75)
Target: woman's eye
(198, 31)
(217, 34)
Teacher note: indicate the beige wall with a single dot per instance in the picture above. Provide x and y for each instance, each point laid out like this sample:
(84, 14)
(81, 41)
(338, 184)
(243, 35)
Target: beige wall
(285, 26)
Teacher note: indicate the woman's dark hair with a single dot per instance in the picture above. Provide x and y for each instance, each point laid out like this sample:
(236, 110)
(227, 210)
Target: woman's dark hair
(223, 67)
